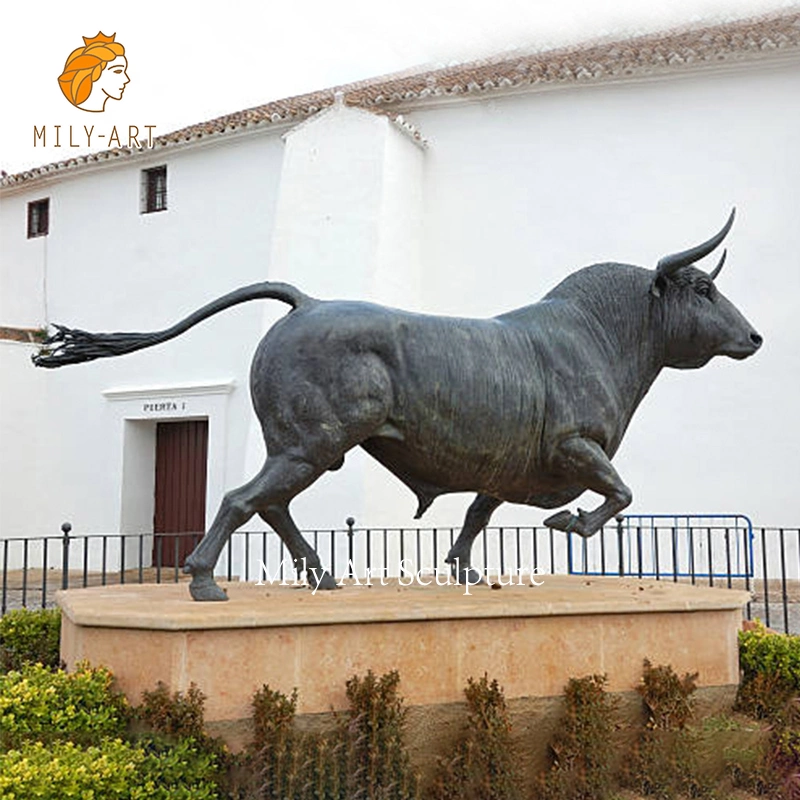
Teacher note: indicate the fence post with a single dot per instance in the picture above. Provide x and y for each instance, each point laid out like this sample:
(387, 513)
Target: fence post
(620, 519)
(569, 553)
(65, 529)
(350, 521)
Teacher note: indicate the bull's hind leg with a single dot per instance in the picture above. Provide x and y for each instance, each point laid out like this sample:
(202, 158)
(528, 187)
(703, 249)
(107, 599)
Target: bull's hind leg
(281, 478)
(303, 554)
(585, 463)
(478, 515)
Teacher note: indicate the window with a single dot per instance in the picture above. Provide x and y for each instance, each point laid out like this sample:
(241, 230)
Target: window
(154, 190)
(39, 218)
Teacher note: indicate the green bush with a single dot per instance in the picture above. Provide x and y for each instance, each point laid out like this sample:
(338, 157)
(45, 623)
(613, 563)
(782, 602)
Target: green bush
(363, 756)
(764, 696)
(178, 722)
(278, 748)
(176, 715)
(482, 767)
(38, 703)
(377, 760)
(763, 652)
(669, 700)
(667, 762)
(273, 719)
(769, 691)
(585, 746)
(30, 637)
(112, 770)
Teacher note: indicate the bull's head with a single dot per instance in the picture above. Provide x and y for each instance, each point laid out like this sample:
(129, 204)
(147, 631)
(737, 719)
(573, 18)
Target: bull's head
(700, 322)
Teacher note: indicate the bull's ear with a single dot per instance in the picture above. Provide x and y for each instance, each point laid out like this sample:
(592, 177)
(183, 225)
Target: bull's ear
(658, 284)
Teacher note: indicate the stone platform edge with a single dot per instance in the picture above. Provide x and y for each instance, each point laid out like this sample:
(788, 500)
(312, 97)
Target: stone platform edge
(168, 607)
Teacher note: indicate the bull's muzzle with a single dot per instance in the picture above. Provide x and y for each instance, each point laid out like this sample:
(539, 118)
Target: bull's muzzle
(745, 348)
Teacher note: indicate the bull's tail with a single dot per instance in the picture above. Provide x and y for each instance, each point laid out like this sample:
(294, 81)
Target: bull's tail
(73, 346)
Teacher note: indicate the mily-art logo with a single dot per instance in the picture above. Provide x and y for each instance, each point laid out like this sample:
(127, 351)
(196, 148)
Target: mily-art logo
(95, 73)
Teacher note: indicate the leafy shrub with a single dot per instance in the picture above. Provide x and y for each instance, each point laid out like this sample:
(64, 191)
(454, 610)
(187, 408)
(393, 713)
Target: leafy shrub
(584, 749)
(668, 699)
(362, 758)
(667, 758)
(764, 696)
(770, 665)
(377, 760)
(290, 765)
(770, 770)
(112, 770)
(30, 637)
(38, 703)
(277, 746)
(762, 652)
(273, 718)
(175, 715)
(178, 722)
(483, 765)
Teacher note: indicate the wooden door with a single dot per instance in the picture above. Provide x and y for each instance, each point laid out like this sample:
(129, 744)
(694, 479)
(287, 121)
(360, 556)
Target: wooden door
(180, 501)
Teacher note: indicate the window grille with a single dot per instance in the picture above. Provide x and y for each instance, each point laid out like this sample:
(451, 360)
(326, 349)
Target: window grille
(154, 182)
(39, 218)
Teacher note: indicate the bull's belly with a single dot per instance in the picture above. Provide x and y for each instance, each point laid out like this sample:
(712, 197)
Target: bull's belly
(514, 477)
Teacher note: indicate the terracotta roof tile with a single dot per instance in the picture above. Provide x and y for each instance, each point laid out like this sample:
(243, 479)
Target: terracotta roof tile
(599, 61)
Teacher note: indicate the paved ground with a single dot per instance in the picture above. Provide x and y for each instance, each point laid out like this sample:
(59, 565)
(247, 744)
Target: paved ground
(776, 619)
(22, 590)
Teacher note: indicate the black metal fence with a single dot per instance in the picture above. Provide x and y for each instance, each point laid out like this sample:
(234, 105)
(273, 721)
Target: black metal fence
(717, 550)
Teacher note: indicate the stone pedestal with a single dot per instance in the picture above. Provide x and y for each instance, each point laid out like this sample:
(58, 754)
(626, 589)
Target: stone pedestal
(532, 639)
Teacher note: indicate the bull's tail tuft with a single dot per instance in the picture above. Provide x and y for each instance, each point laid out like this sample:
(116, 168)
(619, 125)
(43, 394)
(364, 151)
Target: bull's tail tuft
(73, 346)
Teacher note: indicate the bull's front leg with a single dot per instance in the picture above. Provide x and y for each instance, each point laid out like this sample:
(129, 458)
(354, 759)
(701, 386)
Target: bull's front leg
(583, 462)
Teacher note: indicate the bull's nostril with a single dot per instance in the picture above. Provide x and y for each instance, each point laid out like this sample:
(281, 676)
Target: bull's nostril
(756, 339)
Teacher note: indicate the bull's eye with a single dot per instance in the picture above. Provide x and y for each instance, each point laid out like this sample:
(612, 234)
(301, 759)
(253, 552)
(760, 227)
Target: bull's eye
(703, 288)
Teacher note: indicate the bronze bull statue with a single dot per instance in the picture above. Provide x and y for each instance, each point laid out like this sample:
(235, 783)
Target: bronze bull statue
(528, 407)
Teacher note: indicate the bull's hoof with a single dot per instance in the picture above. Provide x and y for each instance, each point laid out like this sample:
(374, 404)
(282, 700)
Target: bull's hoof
(467, 576)
(204, 589)
(572, 523)
(563, 521)
(325, 581)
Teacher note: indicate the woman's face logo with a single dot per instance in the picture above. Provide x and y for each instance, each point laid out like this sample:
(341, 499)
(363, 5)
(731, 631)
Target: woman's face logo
(94, 73)
(114, 78)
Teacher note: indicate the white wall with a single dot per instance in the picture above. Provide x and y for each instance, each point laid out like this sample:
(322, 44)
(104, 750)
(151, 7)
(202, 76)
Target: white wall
(349, 215)
(111, 268)
(23, 262)
(514, 193)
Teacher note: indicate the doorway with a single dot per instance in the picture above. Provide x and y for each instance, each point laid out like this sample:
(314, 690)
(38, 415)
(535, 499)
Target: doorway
(179, 518)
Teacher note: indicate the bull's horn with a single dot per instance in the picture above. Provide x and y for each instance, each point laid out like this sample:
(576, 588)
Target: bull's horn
(669, 264)
(717, 269)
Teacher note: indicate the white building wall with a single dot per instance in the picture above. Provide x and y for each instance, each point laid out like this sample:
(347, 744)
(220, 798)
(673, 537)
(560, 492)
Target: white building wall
(512, 194)
(349, 216)
(111, 268)
(27, 480)
(23, 262)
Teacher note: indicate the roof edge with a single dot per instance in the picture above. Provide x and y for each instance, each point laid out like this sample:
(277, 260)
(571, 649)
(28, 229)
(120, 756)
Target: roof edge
(677, 51)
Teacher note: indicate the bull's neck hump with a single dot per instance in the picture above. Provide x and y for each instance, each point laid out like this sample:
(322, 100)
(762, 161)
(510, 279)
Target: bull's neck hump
(608, 309)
